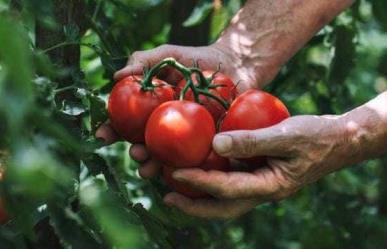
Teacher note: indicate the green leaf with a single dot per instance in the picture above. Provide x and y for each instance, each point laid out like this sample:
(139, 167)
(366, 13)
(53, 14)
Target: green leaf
(71, 32)
(14, 52)
(200, 12)
(97, 165)
(98, 113)
(36, 174)
(139, 4)
(156, 230)
(379, 10)
(71, 229)
(344, 56)
(220, 19)
(120, 225)
(16, 61)
(10, 238)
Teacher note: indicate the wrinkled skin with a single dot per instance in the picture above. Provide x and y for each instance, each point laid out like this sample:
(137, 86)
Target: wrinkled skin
(254, 109)
(213, 162)
(208, 58)
(295, 158)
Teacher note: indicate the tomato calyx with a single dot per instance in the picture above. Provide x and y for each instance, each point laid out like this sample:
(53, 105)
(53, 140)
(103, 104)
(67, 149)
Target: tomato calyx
(202, 88)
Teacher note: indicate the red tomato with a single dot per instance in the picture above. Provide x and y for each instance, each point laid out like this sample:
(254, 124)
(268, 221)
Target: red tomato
(129, 107)
(226, 90)
(3, 214)
(253, 110)
(180, 133)
(213, 162)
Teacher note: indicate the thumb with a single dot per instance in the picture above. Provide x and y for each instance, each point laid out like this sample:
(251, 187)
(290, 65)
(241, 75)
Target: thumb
(247, 144)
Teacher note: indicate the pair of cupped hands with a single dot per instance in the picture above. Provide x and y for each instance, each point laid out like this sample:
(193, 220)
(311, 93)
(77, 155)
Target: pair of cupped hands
(300, 150)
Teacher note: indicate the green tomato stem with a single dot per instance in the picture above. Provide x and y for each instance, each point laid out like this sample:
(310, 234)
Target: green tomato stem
(218, 99)
(147, 81)
(203, 83)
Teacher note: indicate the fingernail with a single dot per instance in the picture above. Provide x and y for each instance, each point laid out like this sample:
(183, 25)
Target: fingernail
(222, 144)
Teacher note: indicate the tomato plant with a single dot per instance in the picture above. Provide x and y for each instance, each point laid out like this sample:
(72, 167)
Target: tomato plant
(254, 109)
(218, 85)
(213, 162)
(180, 133)
(130, 105)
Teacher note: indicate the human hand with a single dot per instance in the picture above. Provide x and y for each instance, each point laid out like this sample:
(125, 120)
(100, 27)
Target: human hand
(209, 58)
(300, 150)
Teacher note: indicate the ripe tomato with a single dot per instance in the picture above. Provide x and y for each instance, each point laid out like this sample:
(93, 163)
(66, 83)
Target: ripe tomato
(213, 162)
(226, 90)
(253, 110)
(129, 106)
(180, 133)
(3, 214)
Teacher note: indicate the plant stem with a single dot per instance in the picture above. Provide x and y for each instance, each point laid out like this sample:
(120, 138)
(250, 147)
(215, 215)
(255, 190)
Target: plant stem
(63, 44)
(147, 81)
(220, 100)
(201, 89)
(63, 89)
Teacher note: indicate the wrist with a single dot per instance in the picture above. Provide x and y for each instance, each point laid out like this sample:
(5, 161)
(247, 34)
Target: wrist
(366, 130)
(254, 71)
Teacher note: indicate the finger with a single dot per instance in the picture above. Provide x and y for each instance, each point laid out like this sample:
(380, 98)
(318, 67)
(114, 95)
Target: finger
(128, 70)
(107, 134)
(246, 144)
(142, 59)
(139, 153)
(263, 183)
(149, 169)
(209, 208)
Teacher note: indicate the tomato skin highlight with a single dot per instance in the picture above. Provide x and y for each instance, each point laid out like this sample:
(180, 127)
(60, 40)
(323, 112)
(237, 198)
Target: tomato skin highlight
(129, 107)
(227, 90)
(180, 133)
(254, 109)
(213, 162)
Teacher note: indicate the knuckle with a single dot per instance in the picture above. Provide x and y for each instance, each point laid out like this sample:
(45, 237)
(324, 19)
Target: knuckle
(166, 47)
(248, 146)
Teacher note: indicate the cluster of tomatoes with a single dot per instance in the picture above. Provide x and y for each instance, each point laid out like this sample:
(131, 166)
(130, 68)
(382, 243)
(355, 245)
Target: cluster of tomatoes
(178, 123)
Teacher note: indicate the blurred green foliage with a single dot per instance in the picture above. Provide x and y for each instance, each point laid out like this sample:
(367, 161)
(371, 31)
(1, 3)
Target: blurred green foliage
(65, 190)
